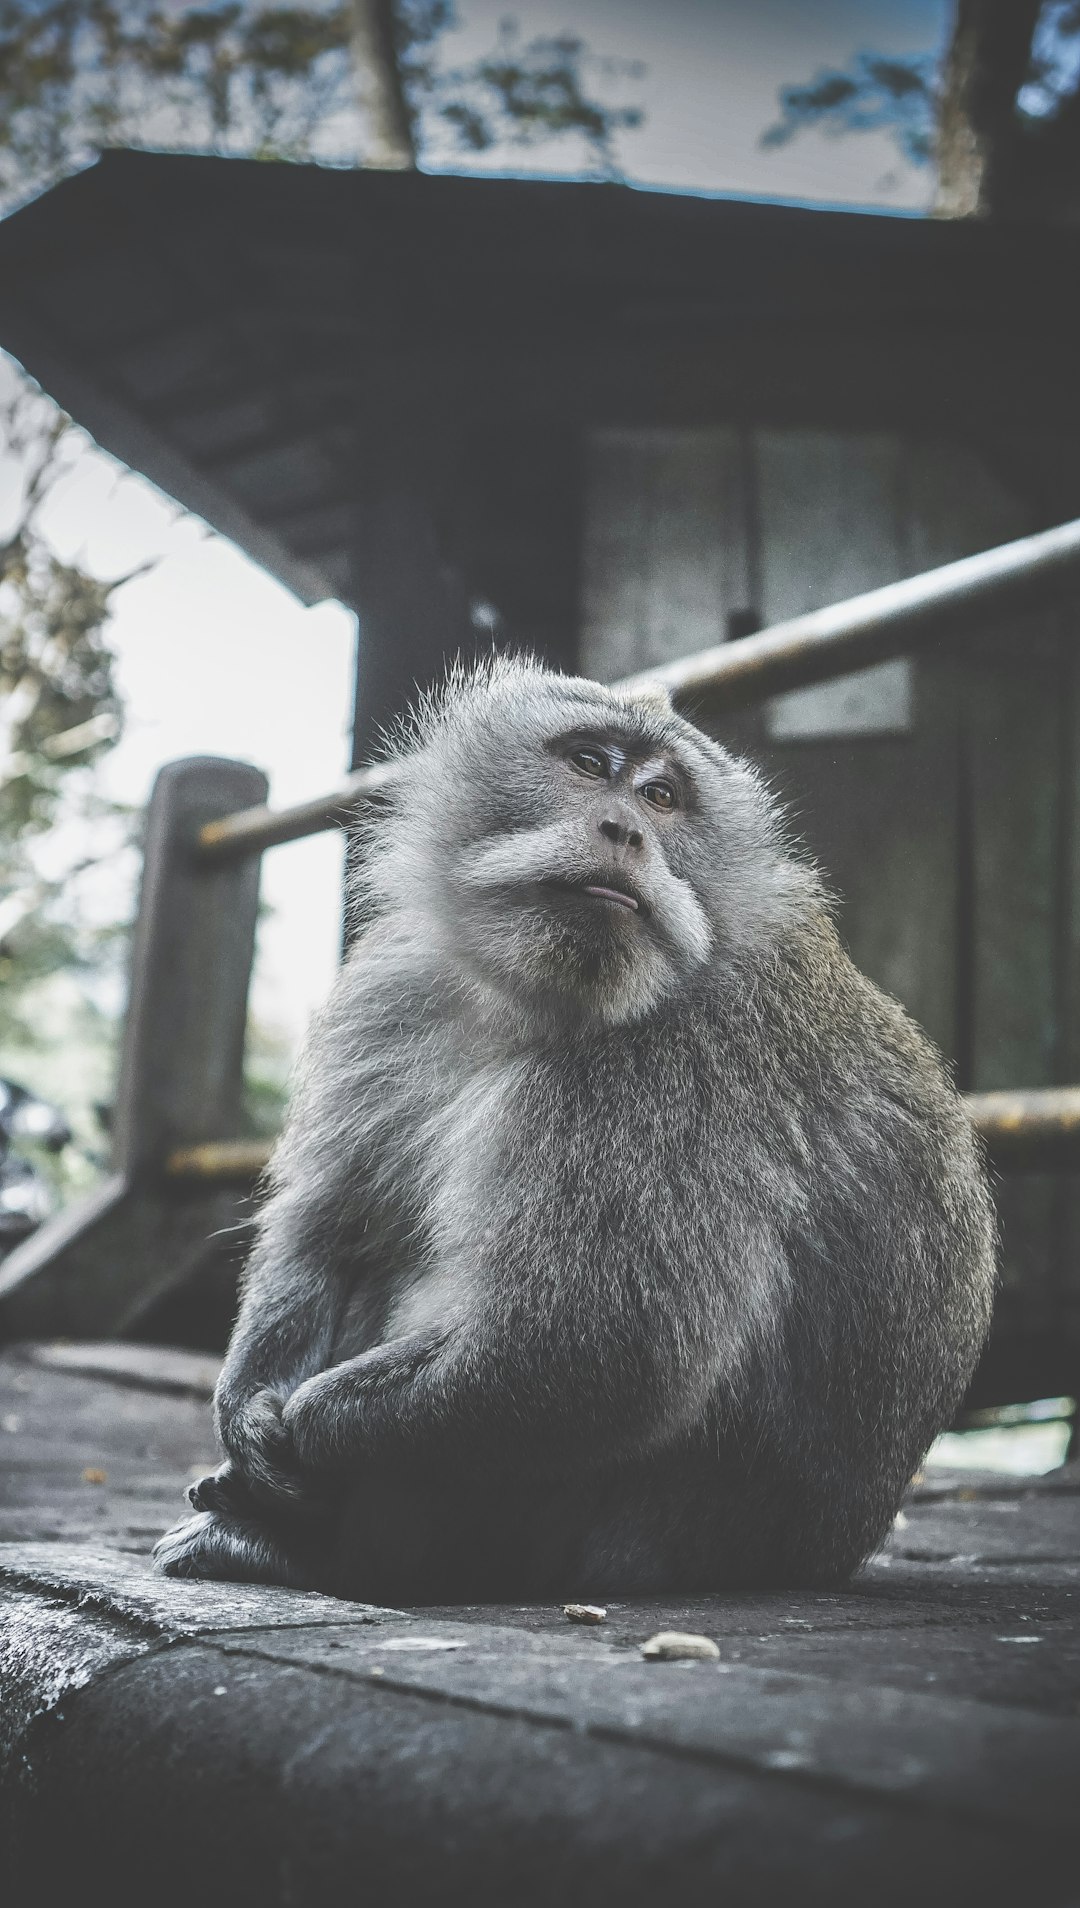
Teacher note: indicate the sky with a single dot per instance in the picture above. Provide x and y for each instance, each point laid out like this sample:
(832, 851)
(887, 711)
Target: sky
(215, 657)
(712, 73)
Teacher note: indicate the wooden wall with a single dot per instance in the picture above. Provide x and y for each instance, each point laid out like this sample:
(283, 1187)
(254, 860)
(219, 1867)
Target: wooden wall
(939, 795)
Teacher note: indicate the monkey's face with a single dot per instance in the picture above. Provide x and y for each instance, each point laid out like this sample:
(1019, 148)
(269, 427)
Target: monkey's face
(578, 849)
(575, 894)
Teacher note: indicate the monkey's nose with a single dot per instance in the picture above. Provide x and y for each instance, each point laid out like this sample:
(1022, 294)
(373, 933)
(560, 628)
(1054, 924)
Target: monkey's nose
(619, 833)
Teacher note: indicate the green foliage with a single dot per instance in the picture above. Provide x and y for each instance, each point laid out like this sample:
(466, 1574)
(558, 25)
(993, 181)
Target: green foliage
(61, 710)
(79, 74)
(65, 1051)
(267, 1069)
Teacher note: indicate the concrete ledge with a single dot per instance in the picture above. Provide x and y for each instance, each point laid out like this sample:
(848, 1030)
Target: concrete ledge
(915, 1736)
(240, 1744)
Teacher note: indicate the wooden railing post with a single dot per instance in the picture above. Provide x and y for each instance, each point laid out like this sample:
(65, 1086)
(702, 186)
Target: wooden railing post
(92, 1269)
(182, 1061)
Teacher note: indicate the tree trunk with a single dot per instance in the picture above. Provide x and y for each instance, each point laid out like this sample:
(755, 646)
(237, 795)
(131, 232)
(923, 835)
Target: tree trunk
(391, 138)
(979, 138)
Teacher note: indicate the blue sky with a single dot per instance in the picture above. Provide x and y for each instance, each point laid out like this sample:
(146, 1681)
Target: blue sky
(713, 70)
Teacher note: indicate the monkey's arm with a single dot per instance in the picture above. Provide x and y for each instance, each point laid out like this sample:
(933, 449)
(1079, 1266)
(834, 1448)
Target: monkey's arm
(284, 1333)
(325, 1225)
(318, 1240)
(474, 1397)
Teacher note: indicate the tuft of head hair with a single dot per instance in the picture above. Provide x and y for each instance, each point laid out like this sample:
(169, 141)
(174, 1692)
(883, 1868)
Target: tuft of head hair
(464, 682)
(653, 695)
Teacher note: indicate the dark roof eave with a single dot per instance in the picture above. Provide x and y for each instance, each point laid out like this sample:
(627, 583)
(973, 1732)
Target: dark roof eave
(118, 429)
(145, 254)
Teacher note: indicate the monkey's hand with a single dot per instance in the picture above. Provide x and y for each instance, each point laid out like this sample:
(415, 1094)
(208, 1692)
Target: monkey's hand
(261, 1451)
(337, 1415)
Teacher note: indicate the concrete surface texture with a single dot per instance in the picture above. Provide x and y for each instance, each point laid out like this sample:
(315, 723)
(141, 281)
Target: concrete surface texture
(915, 1737)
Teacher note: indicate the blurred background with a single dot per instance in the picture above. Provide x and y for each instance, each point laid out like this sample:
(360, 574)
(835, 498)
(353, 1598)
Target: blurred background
(827, 406)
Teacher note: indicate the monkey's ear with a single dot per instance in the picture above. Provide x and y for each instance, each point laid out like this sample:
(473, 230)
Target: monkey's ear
(653, 696)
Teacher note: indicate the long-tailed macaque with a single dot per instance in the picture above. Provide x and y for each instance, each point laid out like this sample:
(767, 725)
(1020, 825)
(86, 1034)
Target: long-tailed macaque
(622, 1236)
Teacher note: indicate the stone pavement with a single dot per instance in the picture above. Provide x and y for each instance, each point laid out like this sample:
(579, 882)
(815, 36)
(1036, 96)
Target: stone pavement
(916, 1737)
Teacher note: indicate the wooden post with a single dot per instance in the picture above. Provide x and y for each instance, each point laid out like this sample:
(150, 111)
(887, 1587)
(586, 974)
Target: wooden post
(94, 1268)
(413, 612)
(182, 1066)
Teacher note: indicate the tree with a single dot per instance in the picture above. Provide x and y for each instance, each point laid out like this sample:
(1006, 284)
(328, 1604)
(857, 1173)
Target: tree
(357, 81)
(61, 711)
(999, 115)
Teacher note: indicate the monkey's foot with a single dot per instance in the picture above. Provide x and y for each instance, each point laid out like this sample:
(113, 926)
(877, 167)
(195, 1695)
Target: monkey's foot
(209, 1545)
(193, 1547)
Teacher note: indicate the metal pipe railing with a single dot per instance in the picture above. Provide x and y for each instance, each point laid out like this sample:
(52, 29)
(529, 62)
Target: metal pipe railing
(1031, 1129)
(252, 830)
(867, 629)
(219, 1160)
(812, 648)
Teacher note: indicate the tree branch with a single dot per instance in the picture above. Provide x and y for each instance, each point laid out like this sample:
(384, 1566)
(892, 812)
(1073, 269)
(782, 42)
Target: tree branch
(978, 129)
(382, 96)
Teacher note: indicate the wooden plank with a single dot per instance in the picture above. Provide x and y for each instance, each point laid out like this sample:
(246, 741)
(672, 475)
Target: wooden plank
(516, 504)
(830, 527)
(1012, 729)
(166, 1369)
(879, 817)
(665, 548)
(876, 807)
(954, 504)
(412, 606)
(1065, 1271)
(1009, 749)
(104, 1267)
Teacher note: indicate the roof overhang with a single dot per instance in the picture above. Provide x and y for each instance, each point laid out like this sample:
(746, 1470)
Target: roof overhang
(247, 334)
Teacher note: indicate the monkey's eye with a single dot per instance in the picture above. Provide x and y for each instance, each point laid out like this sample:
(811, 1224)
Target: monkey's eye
(590, 762)
(660, 795)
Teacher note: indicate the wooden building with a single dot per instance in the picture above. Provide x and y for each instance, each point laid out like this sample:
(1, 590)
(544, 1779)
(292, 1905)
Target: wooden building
(615, 426)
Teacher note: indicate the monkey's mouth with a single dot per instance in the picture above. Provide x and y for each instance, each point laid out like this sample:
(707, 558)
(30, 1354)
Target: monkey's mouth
(616, 896)
(620, 895)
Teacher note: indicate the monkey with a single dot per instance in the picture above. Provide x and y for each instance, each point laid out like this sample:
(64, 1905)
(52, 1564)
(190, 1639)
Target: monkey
(622, 1237)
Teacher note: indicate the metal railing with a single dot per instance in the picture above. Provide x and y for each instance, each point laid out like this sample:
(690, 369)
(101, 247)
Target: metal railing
(891, 621)
(254, 830)
(1037, 1128)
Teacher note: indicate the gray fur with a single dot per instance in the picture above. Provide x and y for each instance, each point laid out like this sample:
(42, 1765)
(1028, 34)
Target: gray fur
(605, 1251)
